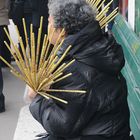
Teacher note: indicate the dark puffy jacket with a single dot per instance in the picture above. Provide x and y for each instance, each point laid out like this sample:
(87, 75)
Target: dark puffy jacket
(103, 110)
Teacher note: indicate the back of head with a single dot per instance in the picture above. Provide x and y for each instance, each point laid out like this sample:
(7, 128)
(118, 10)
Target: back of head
(72, 15)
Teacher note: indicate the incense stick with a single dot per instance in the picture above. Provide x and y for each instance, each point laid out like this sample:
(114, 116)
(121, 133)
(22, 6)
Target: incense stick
(102, 16)
(43, 72)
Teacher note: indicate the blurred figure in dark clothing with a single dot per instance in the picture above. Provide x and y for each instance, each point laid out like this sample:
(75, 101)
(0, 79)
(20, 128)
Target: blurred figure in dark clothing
(5, 53)
(4, 21)
(40, 8)
(21, 9)
(28, 20)
(2, 98)
(31, 10)
(28, 14)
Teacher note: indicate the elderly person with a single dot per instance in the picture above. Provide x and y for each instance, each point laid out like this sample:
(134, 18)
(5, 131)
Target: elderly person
(102, 113)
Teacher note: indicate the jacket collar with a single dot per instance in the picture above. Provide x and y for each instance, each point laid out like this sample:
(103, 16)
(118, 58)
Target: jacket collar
(79, 41)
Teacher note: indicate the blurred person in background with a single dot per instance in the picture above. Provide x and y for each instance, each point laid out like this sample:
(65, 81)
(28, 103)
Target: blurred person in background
(21, 9)
(40, 8)
(2, 98)
(31, 10)
(4, 21)
(4, 52)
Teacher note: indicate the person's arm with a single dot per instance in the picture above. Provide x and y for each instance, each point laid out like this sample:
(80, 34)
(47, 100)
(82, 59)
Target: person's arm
(58, 118)
(65, 120)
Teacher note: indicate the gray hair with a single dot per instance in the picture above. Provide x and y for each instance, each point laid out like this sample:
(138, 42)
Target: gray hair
(72, 15)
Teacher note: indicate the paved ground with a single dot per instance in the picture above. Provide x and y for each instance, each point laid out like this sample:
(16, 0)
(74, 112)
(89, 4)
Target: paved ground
(27, 127)
(13, 90)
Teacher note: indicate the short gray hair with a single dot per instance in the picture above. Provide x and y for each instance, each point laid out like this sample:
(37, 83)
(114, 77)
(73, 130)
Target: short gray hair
(72, 15)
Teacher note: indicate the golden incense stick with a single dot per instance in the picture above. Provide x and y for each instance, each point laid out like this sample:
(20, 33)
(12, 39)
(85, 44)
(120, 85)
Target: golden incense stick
(39, 74)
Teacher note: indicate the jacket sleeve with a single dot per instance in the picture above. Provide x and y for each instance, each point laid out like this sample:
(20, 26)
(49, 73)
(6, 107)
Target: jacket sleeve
(64, 119)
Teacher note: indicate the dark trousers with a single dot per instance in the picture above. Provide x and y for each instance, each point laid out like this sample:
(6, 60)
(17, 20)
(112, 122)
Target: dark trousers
(1, 77)
(5, 53)
(28, 20)
(2, 105)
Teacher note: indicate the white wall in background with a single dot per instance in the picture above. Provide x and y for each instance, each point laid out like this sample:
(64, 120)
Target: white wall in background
(131, 13)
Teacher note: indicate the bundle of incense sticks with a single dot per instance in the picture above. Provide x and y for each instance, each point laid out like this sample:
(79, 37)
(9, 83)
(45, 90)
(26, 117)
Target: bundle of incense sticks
(41, 71)
(102, 11)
